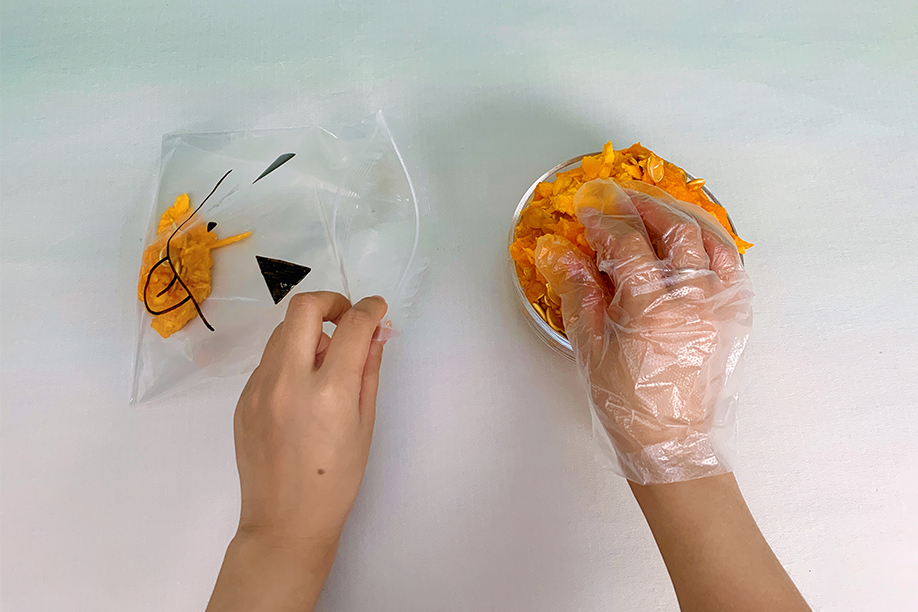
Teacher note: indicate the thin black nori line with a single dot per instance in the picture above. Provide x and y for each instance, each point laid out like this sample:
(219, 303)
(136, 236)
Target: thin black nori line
(175, 274)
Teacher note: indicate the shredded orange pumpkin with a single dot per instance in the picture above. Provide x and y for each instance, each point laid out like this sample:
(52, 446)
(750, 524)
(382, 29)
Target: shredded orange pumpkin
(551, 211)
(189, 252)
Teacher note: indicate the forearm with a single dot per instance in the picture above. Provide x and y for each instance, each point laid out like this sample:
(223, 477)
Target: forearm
(715, 554)
(258, 574)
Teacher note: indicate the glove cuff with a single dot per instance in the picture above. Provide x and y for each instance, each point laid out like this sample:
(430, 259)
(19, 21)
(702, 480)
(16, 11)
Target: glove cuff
(674, 460)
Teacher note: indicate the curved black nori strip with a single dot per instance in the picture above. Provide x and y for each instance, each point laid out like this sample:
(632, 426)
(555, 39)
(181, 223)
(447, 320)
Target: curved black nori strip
(172, 282)
(147, 286)
(175, 275)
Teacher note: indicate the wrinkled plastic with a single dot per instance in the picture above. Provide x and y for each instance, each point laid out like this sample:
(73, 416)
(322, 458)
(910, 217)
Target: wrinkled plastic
(659, 336)
(343, 206)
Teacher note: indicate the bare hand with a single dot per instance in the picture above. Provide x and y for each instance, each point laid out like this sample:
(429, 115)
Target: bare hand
(303, 428)
(305, 419)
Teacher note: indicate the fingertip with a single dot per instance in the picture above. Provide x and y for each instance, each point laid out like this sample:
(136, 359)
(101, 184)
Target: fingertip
(375, 304)
(326, 305)
(369, 385)
(383, 334)
(559, 261)
(374, 354)
(373, 362)
(601, 196)
(548, 248)
(352, 339)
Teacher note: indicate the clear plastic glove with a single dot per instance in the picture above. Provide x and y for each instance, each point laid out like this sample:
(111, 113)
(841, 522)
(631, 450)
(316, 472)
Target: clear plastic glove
(660, 345)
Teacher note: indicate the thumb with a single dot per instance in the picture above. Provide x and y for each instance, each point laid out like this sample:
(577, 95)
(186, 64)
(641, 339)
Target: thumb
(575, 278)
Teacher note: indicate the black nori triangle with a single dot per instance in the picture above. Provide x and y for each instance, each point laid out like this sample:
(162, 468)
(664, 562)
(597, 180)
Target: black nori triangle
(280, 276)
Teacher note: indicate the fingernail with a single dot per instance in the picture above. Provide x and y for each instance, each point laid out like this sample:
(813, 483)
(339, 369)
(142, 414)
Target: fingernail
(383, 334)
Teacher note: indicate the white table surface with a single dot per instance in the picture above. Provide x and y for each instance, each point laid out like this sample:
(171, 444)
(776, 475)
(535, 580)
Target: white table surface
(482, 493)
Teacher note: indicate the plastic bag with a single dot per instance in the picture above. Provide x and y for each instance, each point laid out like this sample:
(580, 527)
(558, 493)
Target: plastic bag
(342, 205)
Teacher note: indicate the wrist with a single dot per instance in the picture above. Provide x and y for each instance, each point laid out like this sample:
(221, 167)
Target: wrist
(262, 571)
(265, 547)
(712, 547)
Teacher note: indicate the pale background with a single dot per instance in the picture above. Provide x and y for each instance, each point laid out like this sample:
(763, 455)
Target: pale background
(482, 493)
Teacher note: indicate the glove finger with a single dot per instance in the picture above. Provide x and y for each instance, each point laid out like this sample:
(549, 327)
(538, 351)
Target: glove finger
(614, 229)
(723, 257)
(722, 253)
(575, 278)
(676, 234)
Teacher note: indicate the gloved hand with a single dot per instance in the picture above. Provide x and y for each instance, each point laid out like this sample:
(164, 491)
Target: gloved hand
(660, 351)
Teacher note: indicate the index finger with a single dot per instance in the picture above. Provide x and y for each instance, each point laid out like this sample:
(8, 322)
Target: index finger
(616, 232)
(303, 324)
(350, 344)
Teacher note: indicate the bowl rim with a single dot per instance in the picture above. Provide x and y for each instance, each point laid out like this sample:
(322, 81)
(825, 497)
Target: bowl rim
(555, 339)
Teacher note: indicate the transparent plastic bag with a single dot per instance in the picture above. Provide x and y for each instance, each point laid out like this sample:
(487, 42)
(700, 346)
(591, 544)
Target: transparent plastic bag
(342, 205)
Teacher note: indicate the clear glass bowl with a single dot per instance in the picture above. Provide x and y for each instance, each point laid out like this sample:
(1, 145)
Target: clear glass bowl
(552, 338)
